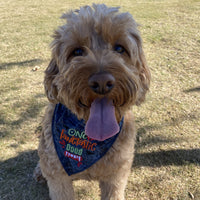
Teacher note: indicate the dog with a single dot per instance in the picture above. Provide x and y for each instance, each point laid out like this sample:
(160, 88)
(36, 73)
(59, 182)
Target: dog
(97, 72)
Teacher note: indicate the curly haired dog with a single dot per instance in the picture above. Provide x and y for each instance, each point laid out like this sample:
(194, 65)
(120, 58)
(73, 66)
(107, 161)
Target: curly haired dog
(97, 72)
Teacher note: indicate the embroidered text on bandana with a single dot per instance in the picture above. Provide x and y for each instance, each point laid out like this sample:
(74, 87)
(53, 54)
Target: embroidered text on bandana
(75, 150)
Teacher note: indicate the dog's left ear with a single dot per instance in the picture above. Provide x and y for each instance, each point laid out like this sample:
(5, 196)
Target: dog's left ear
(144, 75)
(144, 72)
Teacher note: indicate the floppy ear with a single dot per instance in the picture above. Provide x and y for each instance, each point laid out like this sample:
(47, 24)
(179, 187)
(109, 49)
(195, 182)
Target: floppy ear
(49, 85)
(145, 76)
(141, 64)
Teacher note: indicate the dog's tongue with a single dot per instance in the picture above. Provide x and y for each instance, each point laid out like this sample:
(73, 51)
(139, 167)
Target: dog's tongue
(102, 123)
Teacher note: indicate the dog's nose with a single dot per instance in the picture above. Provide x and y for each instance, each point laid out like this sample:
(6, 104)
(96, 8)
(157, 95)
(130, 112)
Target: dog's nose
(101, 83)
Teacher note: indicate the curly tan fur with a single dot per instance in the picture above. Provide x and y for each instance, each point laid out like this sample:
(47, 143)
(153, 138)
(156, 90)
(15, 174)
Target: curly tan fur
(96, 30)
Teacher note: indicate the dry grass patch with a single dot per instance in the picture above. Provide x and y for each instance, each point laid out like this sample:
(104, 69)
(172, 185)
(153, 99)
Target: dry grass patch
(167, 159)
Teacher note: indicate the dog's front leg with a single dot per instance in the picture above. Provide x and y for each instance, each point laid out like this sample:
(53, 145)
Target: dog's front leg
(113, 188)
(60, 188)
(110, 191)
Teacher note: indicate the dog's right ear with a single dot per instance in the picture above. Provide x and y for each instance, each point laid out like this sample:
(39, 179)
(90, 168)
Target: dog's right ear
(49, 84)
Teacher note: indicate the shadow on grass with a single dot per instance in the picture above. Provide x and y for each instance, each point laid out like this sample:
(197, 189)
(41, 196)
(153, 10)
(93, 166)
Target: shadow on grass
(171, 157)
(16, 178)
(16, 173)
(195, 89)
(33, 109)
(21, 64)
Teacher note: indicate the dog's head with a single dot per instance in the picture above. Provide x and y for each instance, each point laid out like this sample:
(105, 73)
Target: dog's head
(97, 61)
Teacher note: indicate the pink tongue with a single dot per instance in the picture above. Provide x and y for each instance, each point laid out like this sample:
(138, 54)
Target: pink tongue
(102, 123)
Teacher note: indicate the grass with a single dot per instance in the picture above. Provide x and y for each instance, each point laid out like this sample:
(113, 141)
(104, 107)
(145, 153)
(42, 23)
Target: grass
(167, 159)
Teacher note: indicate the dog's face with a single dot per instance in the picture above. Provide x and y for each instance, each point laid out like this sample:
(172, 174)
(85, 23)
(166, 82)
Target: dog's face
(97, 55)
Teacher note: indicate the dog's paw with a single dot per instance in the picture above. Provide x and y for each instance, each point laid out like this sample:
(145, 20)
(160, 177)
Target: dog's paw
(37, 175)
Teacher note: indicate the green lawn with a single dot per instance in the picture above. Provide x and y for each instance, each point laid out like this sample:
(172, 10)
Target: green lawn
(167, 159)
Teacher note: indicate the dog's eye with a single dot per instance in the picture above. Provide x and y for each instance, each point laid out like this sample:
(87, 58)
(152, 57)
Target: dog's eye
(119, 49)
(78, 52)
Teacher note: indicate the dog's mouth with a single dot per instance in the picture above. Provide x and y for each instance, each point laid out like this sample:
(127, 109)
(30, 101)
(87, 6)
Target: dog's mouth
(102, 123)
(82, 105)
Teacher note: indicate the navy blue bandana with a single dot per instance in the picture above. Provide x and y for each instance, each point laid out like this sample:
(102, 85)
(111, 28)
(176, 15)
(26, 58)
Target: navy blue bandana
(75, 150)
